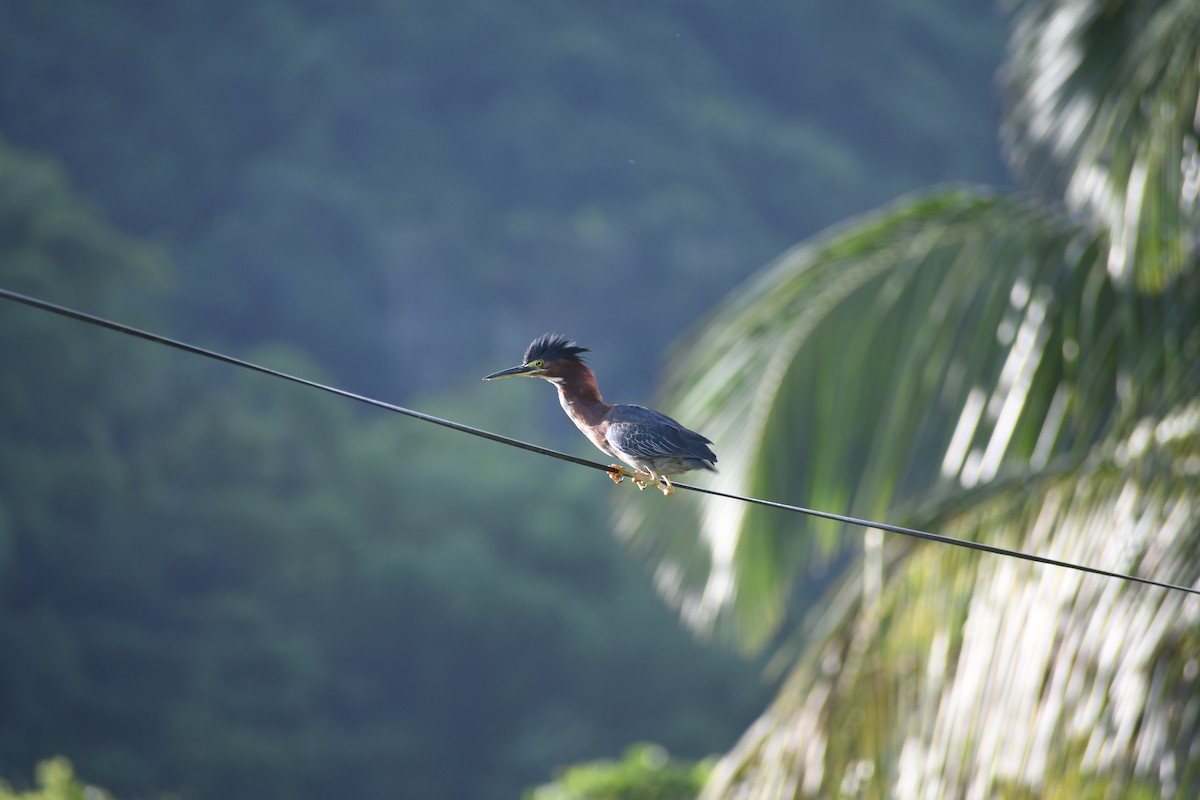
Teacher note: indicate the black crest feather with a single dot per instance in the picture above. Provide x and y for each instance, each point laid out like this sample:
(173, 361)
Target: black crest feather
(551, 346)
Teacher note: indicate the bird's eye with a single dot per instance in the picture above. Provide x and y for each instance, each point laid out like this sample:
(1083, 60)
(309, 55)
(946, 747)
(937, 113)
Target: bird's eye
(538, 364)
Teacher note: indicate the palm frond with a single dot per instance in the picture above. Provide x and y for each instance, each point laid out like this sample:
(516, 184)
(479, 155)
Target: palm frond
(972, 675)
(932, 344)
(1102, 112)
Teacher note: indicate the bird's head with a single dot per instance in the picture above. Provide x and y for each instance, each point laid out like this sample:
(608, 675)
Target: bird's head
(549, 356)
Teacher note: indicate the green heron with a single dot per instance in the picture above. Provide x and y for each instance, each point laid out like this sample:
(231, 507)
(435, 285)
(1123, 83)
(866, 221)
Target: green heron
(652, 443)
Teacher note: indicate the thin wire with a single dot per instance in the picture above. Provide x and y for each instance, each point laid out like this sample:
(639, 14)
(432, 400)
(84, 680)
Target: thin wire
(583, 462)
(237, 362)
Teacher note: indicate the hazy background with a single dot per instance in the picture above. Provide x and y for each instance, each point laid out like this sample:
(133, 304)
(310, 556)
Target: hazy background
(216, 585)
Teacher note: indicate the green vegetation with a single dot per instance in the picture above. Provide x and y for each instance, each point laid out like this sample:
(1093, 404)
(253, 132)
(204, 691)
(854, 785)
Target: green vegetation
(645, 773)
(55, 781)
(381, 184)
(220, 585)
(214, 585)
(1017, 369)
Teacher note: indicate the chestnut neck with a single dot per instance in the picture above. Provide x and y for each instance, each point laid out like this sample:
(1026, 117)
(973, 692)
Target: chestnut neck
(578, 392)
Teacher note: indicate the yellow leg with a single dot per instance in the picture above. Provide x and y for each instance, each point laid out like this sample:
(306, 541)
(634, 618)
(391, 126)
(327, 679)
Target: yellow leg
(618, 473)
(647, 479)
(641, 479)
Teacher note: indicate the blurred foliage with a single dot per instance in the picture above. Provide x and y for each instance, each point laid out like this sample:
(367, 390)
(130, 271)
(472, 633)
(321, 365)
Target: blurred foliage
(1102, 113)
(645, 772)
(55, 781)
(951, 672)
(876, 437)
(1018, 370)
(220, 585)
(380, 184)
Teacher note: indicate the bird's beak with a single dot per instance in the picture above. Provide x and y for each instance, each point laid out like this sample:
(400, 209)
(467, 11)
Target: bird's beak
(523, 369)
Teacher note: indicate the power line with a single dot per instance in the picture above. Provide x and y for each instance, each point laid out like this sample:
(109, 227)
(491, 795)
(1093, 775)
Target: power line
(237, 362)
(128, 330)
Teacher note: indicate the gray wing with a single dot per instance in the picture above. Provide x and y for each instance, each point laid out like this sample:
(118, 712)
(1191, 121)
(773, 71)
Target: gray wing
(645, 433)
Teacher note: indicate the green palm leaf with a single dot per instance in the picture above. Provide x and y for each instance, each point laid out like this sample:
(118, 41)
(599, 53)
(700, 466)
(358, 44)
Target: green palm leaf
(1102, 100)
(929, 346)
(972, 675)
(986, 367)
